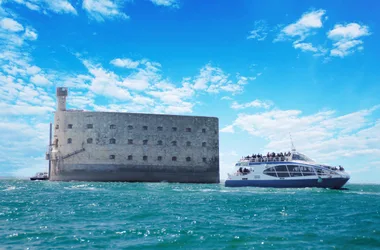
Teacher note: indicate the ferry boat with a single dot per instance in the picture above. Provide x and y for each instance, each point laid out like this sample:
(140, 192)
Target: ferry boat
(41, 176)
(289, 170)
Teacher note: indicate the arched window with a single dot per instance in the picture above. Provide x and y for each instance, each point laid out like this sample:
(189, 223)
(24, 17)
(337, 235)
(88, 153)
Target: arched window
(188, 158)
(89, 140)
(69, 140)
(112, 141)
(203, 144)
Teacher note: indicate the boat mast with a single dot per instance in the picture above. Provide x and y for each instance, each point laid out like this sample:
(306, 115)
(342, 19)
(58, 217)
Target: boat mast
(292, 144)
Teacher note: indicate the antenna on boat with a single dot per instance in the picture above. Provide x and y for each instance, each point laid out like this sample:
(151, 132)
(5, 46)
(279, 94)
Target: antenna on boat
(291, 140)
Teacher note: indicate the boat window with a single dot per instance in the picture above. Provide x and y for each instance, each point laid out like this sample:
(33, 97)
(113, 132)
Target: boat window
(300, 157)
(294, 170)
(307, 171)
(282, 171)
(270, 172)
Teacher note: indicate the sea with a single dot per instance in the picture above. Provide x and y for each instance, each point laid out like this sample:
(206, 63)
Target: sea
(90, 215)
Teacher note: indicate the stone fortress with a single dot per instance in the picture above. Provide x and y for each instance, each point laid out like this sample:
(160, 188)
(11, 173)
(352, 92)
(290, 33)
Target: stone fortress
(135, 147)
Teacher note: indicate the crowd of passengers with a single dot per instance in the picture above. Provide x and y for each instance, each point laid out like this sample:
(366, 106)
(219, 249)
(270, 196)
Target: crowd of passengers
(269, 157)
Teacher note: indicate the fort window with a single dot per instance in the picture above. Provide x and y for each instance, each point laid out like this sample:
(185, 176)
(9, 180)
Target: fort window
(112, 141)
(203, 130)
(188, 158)
(130, 157)
(89, 140)
(145, 158)
(57, 126)
(188, 129)
(112, 157)
(112, 126)
(160, 128)
(70, 126)
(90, 126)
(174, 143)
(174, 129)
(69, 141)
(188, 143)
(130, 141)
(204, 159)
(159, 142)
(159, 158)
(174, 158)
(203, 144)
(130, 127)
(145, 127)
(145, 142)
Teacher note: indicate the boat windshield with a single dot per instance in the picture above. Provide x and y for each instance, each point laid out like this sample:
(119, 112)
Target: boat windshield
(301, 157)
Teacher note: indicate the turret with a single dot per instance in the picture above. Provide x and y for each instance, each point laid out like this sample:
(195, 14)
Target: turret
(61, 98)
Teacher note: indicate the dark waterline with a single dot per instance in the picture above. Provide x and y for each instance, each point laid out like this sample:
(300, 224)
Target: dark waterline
(162, 215)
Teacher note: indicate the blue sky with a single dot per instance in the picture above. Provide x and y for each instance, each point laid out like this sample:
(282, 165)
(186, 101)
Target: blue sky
(265, 68)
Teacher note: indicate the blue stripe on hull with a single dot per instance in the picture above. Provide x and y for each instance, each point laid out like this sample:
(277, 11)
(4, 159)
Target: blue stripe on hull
(326, 183)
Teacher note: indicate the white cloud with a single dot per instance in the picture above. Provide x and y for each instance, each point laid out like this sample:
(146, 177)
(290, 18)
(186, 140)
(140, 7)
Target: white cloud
(100, 10)
(11, 25)
(323, 135)
(304, 26)
(228, 129)
(39, 80)
(256, 104)
(56, 6)
(30, 34)
(305, 47)
(260, 31)
(125, 63)
(347, 38)
(167, 3)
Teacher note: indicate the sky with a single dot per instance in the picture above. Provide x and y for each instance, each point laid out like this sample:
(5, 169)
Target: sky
(266, 69)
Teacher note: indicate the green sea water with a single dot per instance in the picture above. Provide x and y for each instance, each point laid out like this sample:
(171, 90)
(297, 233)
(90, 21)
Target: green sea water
(83, 215)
